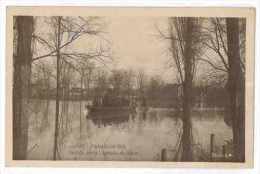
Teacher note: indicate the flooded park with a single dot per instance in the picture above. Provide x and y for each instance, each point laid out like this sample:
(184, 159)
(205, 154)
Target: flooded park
(129, 88)
(122, 138)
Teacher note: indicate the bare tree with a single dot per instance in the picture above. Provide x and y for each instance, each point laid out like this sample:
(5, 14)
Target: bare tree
(82, 74)
(24, 26)
(141, 81)
(56, 131)
(88, 78)
(185, 38)
(85, 69)
(236, 88)
(128, 83)
(65, 32)
(226, 37)
(43, 77)
(215, 41)
(101, 85)
(66, 76)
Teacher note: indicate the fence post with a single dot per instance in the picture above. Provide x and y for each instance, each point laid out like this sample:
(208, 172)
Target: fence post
(224, 152)
(163, 155)
(211, 146)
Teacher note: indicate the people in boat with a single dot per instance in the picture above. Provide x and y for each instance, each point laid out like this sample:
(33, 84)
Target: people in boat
(141, 108)
(86, 111)
(132, 107)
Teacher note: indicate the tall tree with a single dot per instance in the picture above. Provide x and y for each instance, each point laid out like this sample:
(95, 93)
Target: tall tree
(60, 45)
(185, 39)
(215, 41)
(226, 37)
(82, 74)
(56, 131)
(141, 83)
(84, 70)
(42, 78)
(236, 88)
(100, 86)
(21, 86)
(128, 83)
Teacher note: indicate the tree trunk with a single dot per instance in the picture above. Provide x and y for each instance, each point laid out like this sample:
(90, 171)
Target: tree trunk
(187, 93)
(56, 131)
(80, 106)
(45, 118)
(68, 99)
(21, 86)
(236, 88)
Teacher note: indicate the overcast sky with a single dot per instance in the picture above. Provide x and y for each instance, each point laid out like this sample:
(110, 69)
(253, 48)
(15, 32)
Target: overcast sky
(136, 45)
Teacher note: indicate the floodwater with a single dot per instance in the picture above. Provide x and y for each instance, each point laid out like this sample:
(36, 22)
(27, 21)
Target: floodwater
(128, 140)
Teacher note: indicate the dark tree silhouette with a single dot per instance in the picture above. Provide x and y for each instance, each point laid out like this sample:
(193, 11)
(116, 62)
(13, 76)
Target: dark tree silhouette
(21, 86)
(56, 132)
(226, 38)
(66, 31)
(185, 37)
(236, 88)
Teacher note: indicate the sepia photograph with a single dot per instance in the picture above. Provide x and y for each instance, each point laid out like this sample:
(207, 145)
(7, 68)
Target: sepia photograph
(132, 88)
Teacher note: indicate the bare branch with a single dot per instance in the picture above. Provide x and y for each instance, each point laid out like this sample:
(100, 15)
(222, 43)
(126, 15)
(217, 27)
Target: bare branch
(219, 53)
(163, 35)
(212, 65)
(76, 34)
(220, 30)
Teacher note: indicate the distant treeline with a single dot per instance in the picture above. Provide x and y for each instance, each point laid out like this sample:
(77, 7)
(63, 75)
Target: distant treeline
(165, 96)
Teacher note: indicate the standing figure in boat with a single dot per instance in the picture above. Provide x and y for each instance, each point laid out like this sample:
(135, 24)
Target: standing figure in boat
(142, 108)
(141, 111)
(132, 109)
(86, 112)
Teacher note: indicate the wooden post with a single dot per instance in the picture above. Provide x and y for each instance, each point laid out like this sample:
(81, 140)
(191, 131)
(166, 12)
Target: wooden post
(224, 152)
(211, 146)
(163, 155)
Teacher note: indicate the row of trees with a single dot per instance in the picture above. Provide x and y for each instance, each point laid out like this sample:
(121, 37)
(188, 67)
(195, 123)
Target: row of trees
(55, 61)
(56, 47)
(220, 43)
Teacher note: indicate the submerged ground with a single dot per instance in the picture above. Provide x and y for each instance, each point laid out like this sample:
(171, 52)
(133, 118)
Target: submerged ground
(127, 140)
